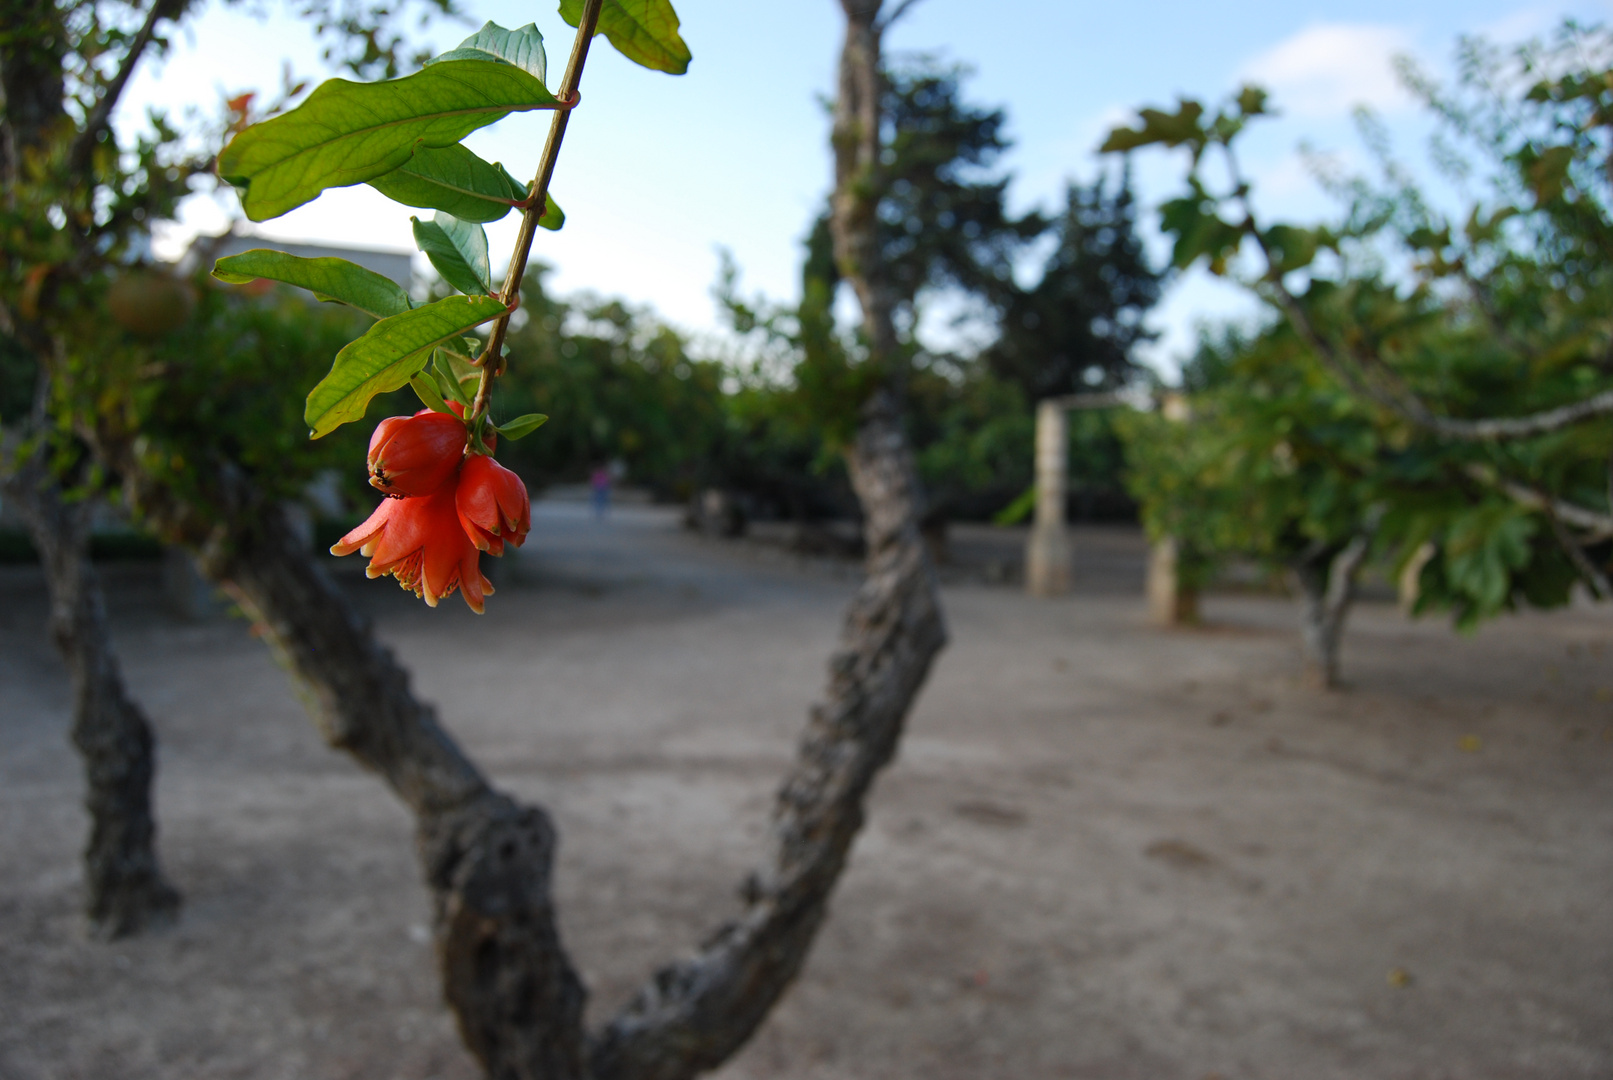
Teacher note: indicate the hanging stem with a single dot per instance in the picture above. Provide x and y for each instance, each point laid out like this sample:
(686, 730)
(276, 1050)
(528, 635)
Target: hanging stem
(492, 358)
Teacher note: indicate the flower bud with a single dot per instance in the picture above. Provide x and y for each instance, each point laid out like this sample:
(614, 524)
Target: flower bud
(492, 504)
(415, 455)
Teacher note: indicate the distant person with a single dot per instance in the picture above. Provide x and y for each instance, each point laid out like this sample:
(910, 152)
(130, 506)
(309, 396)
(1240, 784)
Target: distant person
(599, 481)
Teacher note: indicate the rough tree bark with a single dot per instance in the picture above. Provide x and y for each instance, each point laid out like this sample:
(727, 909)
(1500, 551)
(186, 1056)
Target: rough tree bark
(488, 859)
(124, 886)
(694, 1014)
(1326, 577)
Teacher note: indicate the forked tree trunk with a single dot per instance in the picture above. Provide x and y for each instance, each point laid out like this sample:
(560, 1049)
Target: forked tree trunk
(124, 887)
(487, 859)
(1326, 579)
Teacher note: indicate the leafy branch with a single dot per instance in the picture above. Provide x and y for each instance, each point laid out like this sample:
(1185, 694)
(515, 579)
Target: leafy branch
(402, 137)
(1201, 233)
(95, 124)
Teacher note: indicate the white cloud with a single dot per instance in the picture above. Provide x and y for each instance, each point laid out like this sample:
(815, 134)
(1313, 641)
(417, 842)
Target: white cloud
(1329, 69)
(1520, 25)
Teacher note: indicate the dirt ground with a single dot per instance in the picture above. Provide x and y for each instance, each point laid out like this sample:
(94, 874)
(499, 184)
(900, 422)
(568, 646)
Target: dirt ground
(1105, 850)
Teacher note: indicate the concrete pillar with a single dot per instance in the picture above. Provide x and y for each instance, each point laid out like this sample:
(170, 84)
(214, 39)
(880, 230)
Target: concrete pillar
(188, 595)
(1170, 602)
(1047, 552)
(1410, 583)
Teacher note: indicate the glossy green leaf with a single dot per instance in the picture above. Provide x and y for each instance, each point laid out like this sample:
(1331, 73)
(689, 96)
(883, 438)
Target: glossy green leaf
(521, 426)
(553, 217)
(455, 373)
(455, 181)
(523, 48)
(425, 388)
(328, 278)
(644, 31)
(458, 249)
(388, 354)
(448, 387)
(348, 133)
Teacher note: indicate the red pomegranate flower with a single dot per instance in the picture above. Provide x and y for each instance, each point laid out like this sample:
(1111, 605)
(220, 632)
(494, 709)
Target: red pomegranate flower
(415, 455)
(492, 503)
(420, 542)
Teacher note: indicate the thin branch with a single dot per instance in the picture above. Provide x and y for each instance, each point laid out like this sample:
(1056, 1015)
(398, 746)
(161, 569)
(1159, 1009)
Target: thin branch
(492, 358)
(1523, 426)
(1576, 554)
(896, 13)
(1403, 403)
(79, 158)
(1599, 525)
(1610, 481)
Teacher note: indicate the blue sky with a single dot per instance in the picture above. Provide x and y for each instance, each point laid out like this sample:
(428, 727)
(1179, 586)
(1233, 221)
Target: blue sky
(658, 172)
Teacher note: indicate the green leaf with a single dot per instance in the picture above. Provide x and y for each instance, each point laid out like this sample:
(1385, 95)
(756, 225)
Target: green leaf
(455, 373)
(328, 278)
(349, 133)
(458, 249)
(523, 48)
(455, 181)
(447, 388)
(553, 217)
(1548, 175)
(1172, 129)
(1200, 233)
(1292, 248)
(644, 31)
(426, 390)
(1252, 100)
(1021, 508)
(520, 426)
(388, 354)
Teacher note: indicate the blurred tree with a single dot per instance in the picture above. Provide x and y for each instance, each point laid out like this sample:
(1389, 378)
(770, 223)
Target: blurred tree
(77, 204)
(943, 210)
(943, 225)
(1076, 328)
(617, 385)
(1271, 461)
(1473, 345)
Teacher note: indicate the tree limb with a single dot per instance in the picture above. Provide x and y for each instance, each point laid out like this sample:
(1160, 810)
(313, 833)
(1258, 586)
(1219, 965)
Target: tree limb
(125, 890)
(1402, 402)
(896, 13)
(486, 858)
(1576, 554)
(1599, 525)
(78, 159)
(693, 1014)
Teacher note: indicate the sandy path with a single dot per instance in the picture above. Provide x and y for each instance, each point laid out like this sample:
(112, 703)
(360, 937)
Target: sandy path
(1105, 851)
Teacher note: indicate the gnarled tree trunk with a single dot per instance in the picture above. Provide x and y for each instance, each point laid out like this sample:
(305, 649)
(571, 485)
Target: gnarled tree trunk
(488, 859)
(124, 886)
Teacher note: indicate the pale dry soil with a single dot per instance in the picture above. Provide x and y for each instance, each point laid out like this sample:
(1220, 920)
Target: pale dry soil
(1105, 850)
